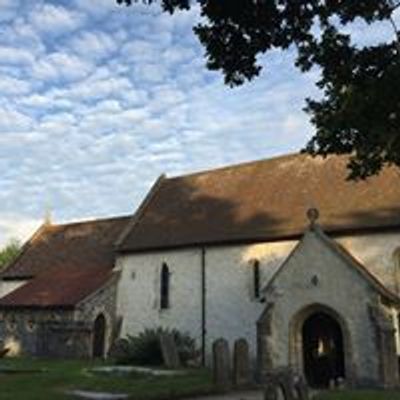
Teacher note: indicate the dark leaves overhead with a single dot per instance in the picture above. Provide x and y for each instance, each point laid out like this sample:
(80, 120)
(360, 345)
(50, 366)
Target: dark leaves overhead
(360, 108)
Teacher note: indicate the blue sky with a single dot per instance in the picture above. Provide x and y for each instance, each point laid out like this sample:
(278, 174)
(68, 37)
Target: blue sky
(97, 101)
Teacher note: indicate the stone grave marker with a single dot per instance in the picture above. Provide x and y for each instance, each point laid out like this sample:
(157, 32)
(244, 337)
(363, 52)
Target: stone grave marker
(241, 364)
(291, 386)
(221, 365)
(169, 351)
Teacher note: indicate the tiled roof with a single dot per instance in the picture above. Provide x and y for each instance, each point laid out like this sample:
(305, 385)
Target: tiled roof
(78, 245)
(64, 264)
(58, 288)
(261, 201)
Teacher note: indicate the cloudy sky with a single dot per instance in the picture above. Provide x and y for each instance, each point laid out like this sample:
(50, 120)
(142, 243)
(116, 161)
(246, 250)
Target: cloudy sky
(96, 101)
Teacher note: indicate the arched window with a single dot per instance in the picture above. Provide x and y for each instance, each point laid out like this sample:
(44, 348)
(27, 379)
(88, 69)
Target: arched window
(256, 279)
(164, 287)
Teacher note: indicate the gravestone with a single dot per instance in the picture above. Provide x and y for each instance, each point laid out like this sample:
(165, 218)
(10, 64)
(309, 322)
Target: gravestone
(241, 364)
(221, 365)
(169, 351)
(291, 386)
(301, 389)
(119, 349)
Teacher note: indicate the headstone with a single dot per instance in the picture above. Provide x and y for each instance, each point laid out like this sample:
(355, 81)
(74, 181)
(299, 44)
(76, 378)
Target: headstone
(270, 392)
(283, 380)
(221, 365)
(169, 351)
(341, 384)
(119, 349)
(301, 389)
(241, 364)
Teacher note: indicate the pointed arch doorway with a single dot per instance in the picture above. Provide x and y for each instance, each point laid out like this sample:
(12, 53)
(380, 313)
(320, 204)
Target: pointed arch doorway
(320, 346)
(99, 337)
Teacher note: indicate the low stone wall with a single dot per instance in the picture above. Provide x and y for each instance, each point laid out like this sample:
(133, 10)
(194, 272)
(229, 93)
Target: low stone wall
(66, 333)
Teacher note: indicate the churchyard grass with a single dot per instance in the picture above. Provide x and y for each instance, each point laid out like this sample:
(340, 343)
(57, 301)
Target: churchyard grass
(359, 395)
(65, 375)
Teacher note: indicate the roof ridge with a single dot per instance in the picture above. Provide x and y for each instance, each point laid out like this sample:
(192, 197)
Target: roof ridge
(239, 165)
(89, 221)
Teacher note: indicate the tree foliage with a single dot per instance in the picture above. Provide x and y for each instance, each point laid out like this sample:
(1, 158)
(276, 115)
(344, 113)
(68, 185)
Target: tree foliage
(359, 111)
(9, 252)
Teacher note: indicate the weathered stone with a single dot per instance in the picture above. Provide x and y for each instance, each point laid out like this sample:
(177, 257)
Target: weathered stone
(283, 380)
(301, 389)
(270, 392)
(169, 351)
(241, 363)
(221, 365)
(385, 343)
(118, 349)
(59, 333)
(341, 383)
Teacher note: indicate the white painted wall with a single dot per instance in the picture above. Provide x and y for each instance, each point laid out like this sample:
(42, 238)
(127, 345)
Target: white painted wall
(376, 252)
(339, 287)
(231, 310)
(139, 292)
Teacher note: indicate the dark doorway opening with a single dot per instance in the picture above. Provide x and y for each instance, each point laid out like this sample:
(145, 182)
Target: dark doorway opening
(323, 352)
(99, 336)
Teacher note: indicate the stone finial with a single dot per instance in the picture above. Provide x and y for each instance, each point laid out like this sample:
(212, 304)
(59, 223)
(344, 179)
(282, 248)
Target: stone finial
(312, 215)
(47, 216)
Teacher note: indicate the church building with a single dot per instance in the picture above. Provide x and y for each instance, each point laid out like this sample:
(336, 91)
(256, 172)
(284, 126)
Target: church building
(284, 252)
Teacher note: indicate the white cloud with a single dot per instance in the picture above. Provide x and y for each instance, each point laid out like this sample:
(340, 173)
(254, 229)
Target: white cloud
(94, 44)
(12, 86)
(61, 66)
(98, 100)
(12, 120)
(49, 18)
(15, 56)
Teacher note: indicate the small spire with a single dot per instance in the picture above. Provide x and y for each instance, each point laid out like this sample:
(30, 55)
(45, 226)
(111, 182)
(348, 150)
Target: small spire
(47, 216)
(312, 215)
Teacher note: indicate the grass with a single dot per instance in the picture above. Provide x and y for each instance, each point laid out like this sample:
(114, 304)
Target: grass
(62, 376)
(359, 395)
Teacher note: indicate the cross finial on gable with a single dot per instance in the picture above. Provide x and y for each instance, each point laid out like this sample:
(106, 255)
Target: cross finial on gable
(47, 216)
(312, 215)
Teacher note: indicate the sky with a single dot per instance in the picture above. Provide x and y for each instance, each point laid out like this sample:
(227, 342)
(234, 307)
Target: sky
(98, 100)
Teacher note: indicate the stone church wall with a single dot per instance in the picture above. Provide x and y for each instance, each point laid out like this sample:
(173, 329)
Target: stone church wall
(22, 331)
(231, 309)
(338, 287)
(377, 253)
(58, 332)
(139, 292)
(103, 301)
